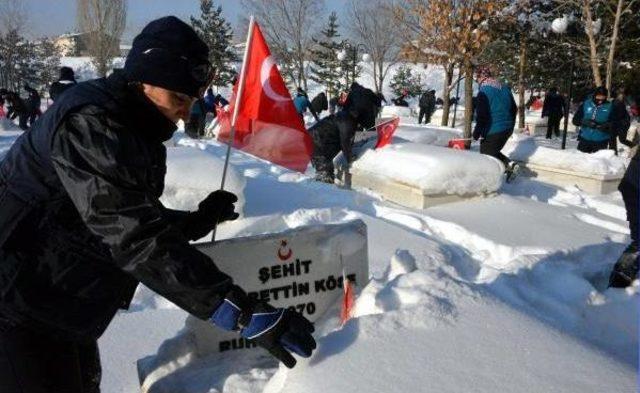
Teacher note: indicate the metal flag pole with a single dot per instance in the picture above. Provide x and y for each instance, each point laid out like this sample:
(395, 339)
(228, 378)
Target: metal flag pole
(232, 135)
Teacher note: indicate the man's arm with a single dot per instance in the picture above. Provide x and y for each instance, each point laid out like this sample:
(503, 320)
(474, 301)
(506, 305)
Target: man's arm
(483, 116)
(115, 207)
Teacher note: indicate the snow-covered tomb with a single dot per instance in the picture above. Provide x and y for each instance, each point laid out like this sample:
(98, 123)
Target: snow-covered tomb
(418, 175)
(597, 173)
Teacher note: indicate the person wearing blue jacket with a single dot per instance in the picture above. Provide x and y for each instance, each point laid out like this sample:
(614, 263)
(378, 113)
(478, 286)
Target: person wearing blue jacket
(495, 112)
(302, 103)
(598, 118)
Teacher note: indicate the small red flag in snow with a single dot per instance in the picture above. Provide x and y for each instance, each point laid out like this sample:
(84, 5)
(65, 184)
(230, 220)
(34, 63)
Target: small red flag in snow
(385, 131)
(348, 300)
(267, 124)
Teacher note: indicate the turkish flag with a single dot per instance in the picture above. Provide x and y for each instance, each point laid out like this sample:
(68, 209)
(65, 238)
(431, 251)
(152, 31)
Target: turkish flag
(385, 131)
(268, 125)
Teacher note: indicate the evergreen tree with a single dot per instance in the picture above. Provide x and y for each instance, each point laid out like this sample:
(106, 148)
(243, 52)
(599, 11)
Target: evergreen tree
(217, 33)
(326, 69)
(403, 80)
(349, 65)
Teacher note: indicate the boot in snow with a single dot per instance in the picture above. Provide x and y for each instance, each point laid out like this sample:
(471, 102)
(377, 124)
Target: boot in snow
(513, 169)
(625, 271)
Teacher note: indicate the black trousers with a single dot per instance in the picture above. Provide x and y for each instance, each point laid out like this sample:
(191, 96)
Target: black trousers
(323, 164)
(492, 145)
(586, 146)
(553, 125)
(426, 114)
(630, 189)
(33, 362)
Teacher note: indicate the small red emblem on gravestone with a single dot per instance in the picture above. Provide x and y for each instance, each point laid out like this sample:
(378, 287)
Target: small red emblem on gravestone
(284, 252)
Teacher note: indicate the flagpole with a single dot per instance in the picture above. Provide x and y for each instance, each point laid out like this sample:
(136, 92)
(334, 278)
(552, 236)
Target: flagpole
(232, 135)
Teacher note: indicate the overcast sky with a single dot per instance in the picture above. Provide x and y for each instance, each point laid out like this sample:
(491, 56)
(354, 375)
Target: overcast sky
(54, 17)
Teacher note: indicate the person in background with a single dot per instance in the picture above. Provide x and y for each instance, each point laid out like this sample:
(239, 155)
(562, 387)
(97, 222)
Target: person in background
(17, 108)
(554, 109)
(82, 225)
(335, 133)
(427, 105)
(620, 111)
(597, 121)
(320, 103)
(302, 103)
(402, 99)
(495, 118)
(67, 80)
(33, 104)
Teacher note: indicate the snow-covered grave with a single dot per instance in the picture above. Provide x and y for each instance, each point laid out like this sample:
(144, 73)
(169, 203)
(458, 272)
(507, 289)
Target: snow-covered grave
(537, 125)
(597, 173)
(302, 268)
(426, 134)
(406, 114)
(418, 175)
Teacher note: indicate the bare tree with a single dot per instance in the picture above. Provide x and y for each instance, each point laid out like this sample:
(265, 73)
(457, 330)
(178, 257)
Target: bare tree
(288, 26)
(13, 16)
(104, 21)
(373, 24)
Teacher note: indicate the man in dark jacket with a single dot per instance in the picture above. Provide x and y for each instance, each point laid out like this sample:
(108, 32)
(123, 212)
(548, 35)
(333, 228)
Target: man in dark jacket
(495, 117)
(81, 223)
(598, 119)
(336, 133)
(320, 103)
(67, 79)
(554, 109)
(427, 106)
(17, 108)
(33, 104)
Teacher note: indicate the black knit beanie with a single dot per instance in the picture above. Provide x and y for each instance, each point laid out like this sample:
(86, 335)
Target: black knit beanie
(169, 54)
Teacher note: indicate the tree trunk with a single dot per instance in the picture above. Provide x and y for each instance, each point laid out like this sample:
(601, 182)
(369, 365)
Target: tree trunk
(446, 104)
(468, 100)
(521, 87)
(593, 45)
(612, 48)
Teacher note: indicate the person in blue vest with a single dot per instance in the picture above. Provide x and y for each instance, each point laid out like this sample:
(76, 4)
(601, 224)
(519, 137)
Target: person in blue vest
(81, 223)
(597, 120)
(302, 103)
(495, 113)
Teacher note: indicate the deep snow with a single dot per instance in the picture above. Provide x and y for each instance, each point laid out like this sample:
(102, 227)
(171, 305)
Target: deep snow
(508, 294)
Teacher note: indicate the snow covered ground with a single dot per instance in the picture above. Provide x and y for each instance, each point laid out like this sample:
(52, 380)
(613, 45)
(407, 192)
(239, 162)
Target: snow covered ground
(501, 294)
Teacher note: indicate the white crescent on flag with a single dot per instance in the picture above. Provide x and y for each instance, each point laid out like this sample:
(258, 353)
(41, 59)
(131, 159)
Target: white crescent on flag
(265, 72)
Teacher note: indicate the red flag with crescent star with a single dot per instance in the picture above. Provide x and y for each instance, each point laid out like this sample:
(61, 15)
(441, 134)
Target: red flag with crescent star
(268, 125)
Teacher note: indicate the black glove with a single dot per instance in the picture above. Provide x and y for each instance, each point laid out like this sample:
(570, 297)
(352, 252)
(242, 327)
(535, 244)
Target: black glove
(590, 123)
(214, 209)
(606, 127)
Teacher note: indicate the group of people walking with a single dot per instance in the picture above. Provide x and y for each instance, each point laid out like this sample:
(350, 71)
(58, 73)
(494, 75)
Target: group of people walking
(28, 110)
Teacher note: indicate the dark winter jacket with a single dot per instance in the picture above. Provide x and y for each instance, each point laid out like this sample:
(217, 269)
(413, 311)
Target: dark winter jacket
(60, 87)
(80, 219)
(333, 134)
(428, 101)
(554, 105)
(320, 103)
(495, 109)
(336, 133)
(400, 101)
(34, 101)
(598, 122)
